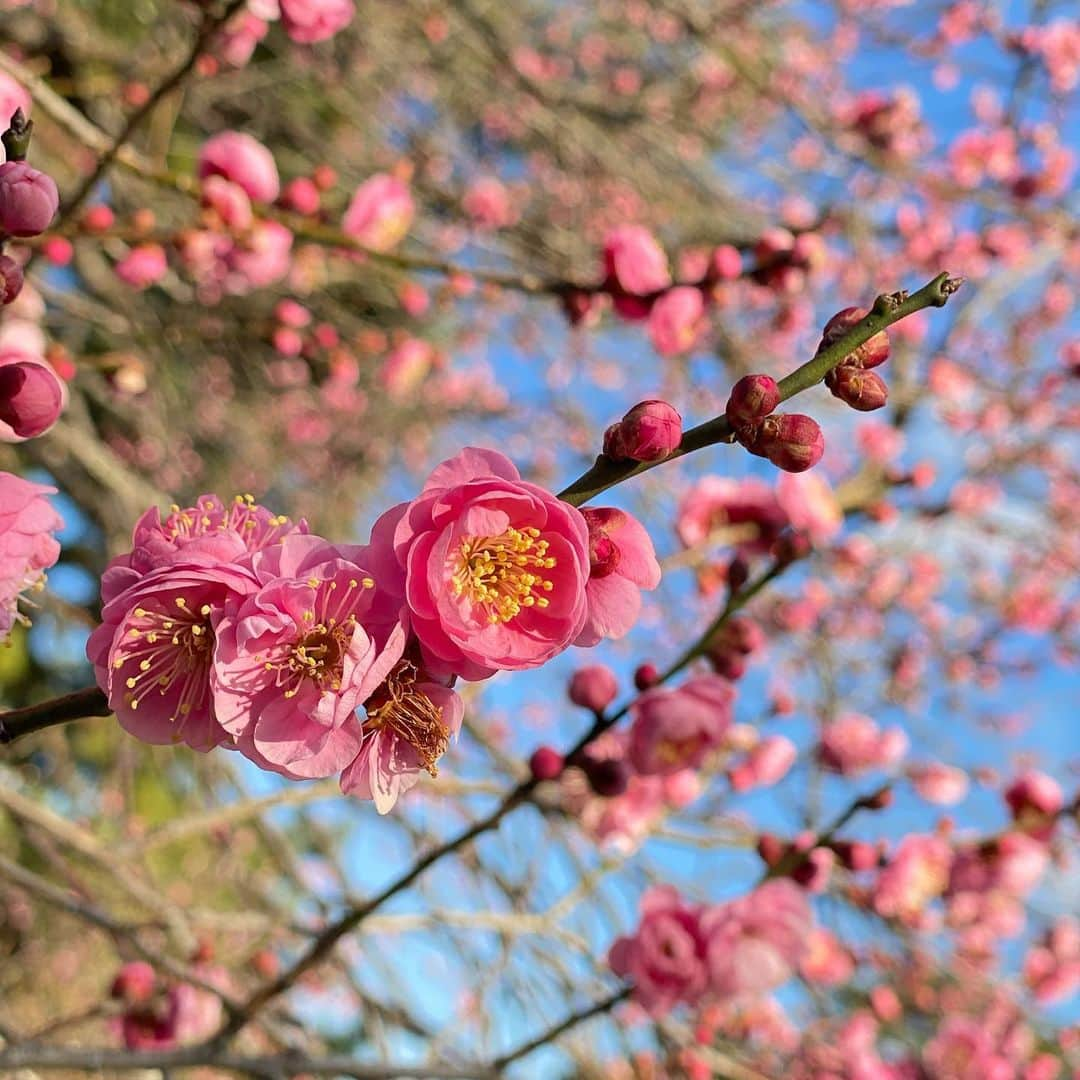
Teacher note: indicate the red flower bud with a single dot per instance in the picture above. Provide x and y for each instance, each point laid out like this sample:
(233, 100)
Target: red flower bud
(867, 355)
(791, 441)
(770, 848)
(546, 763)
(11, 279)
(134, 983)
(607, 778)
(646, 675)
(648, 432)
(28, 199)
(593, 687)
(752, 398)
(862, 390)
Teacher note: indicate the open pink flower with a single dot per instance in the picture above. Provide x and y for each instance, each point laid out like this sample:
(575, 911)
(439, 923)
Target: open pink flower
(27, 546)
(208, 532)
(244, 160)
(676, 320)
(309, 21)
(634, 261)
(756, 941)
(153, 653)
(407, 725)
(493, 568)
(665, 957)
(294, 659)
(743, 513)
(676, 729)
(32, 396)
(622, 562)
(853, 744)
(380, 213)
(917, 874)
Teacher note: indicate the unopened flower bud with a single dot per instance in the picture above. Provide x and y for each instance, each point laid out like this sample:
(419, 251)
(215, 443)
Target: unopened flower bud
(752, 398)
(856, 855)
(593, 687)
(862, 390)
(791, 441)
(770, 848)
(867, 355)
(134, 983)
(28, 199)
(646, 676)
(31, 397)
(546, 763)
(11, 279)
(650, 431)
(607, 778)
(791, 547)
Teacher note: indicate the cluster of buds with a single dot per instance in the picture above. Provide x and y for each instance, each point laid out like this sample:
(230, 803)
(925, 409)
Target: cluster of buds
(729, 649)
(791, 441)
(28, 201)
(650, 431)
(852, 380)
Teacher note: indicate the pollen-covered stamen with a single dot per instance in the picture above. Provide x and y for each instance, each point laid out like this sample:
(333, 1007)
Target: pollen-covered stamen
(327, 631)
(504, 574)
(168, 647)
(410, 714)
(243, 515)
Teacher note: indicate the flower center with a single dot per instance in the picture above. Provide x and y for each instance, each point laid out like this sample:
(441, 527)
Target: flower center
(243, 516)
(168, 646)
(319, 652)
(503, 574)
(410, 714)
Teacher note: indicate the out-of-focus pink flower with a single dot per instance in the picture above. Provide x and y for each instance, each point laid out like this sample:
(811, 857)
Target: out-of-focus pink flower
(296, 658)
(493, 568)
(227, 204)
(826, 962)
(1035, 799)
(766, 764)
(676, 320)
(32, 396)
(28, 199)
(1052, 966)
(593, 687)
(12, 280)
(143, 266)
(380, 213)
(259, 258)
(153, 653)
(743, 513)
(810, 505)
(634, 261)
(622, 562)
(487, 202)
(27, 546)
(916, 874)
(938, 783)
(171, 1016)
(676, 729)
(853, 743)
(756, 941)
(409, 722)
(664, 959)
(964, 1049)
(310, 21)
(244, 160)
(208, 532)
(406, 368)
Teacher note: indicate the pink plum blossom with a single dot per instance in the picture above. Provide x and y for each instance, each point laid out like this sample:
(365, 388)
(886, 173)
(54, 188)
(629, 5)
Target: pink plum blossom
(939, 783)
(916, 874)
(143, 266)
(296, 658)
(810, 505)
(622, 562)
(743, 513)
(676, 320)
(853, 744)
(310, 21)
(676, 729)
(380, 213)
(244, 160)
(634, 261)
(27, 546)
(493, 569)
(664, 959)
(756, 941)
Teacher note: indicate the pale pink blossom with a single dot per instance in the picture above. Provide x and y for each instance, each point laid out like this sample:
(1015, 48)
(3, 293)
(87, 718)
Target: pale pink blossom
(745, 514)
(380, 213)
(916, 875)
(766, 764)
(27, 545)
(677, 320)
(622, 562)
(143, 266)
(811, 506)
(406, 367)
(853, 744)
(634, 261)
(311, 21)
(676, 729)
(1052, 966)
(756, 941)
(938, 783)
(493, 569)
(244, 160)
(826, 961)
(1035, 799)
(487, 202)
(664, 959)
